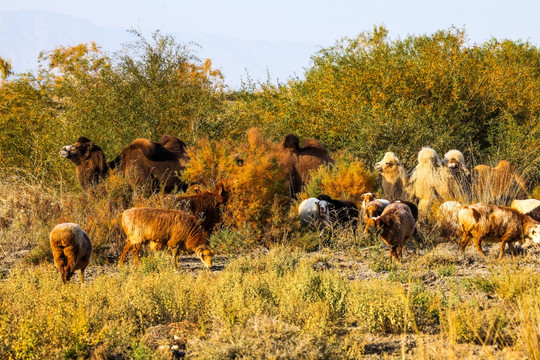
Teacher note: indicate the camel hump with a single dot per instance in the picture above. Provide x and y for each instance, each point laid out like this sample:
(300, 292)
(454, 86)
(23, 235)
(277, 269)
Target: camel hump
(290, 142)
(174, 145)
(147, 147)
(315, 144)
(83, 140)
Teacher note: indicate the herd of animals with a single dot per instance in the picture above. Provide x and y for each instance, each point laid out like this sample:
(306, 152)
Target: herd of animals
(393, 218)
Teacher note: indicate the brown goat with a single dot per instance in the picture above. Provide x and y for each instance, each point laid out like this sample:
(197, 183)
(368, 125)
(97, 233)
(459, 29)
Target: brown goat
(144, 162)
(502, 181)
(297, 161)
(71, 249)
(159, 227)
(374, 208)
(492, 223)
(396, 224)
(206, 204)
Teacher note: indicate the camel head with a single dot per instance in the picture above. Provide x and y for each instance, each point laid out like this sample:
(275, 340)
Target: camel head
(389, 162)
(81, 150)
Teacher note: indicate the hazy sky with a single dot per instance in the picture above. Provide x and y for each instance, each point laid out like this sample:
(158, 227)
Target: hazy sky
(314, 21)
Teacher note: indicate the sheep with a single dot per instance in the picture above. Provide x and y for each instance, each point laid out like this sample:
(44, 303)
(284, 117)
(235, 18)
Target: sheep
(342, 212)
(525, 206)
(394, 177)
(501, 182)
(372, 207)
(535, 213)
(459, 177)
(493, 223)
(369, 197)
(412, 207)
(396, 224)
(71, 249)
(314, 212)
(177, 229)
(447, 215)
(206, 204)
(428, 181)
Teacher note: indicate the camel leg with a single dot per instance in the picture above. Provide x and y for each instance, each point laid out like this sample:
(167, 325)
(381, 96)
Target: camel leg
(124, 253)
(81, 276)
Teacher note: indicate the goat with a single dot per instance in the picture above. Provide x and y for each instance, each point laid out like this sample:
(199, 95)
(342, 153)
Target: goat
(396, 224)
(206, 204)
(314, 212)
(177, 229)
(493, 223)
(525, 206)
(342, 212)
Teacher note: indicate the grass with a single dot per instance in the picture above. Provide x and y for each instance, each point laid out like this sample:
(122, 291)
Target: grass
(301, 299)
(271, 304)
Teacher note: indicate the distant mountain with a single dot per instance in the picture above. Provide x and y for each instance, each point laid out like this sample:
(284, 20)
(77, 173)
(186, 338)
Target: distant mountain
(26, 33)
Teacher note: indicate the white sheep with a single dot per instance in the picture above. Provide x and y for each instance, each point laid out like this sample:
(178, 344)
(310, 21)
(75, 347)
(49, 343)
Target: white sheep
(525, 206)
(314, 212)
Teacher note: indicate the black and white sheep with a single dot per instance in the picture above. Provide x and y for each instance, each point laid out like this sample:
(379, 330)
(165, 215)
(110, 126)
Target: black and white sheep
(343, 213)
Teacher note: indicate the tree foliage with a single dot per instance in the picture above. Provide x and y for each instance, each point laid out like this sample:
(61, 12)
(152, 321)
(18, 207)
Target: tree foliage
(366, 95)
(371, 94)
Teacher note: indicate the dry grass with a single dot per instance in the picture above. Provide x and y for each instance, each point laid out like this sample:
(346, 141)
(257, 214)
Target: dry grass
(276, 304)
(281, 300)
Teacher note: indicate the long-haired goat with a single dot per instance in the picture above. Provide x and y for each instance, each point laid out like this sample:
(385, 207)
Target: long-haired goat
(371, 206)
(492, 223)
(178, 230)
(447, 218)
(71, 249)
(525, 206)
(535, 213)
(314, 212)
